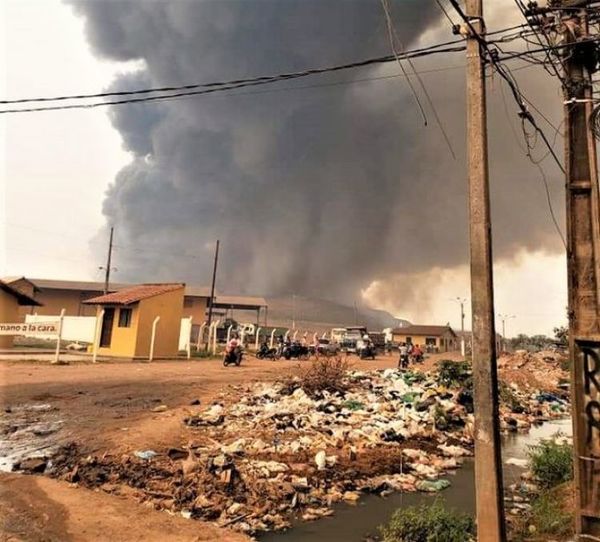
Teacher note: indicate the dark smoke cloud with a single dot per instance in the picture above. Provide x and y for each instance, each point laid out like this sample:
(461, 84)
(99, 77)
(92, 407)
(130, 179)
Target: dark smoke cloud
(316, 191)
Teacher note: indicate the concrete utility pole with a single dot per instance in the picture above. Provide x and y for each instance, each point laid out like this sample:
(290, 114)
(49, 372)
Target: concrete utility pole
(504, 317)
(212, 292)
(488, 464)
(583, 251)
(108, 261)
(461, 301)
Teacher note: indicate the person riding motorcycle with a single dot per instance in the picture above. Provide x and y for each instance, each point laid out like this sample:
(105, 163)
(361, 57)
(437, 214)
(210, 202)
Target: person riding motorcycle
(233, 351)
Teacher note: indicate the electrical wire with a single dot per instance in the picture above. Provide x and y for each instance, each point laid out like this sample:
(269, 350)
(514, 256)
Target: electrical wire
(393, 35)
(258, 79)
(444, 11)
(181, 91)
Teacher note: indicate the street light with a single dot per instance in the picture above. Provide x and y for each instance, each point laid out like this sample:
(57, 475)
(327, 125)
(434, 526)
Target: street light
(461, 301)
(504, 318)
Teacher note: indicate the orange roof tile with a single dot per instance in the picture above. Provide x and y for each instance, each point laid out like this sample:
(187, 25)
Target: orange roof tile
(127, 296)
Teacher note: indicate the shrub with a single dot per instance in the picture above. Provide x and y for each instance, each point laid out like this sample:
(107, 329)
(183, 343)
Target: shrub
(428, 523)
(324, 374)
(551, 463)
(454, 373)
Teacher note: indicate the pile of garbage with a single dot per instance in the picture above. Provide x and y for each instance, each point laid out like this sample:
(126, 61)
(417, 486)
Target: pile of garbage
(269, 453)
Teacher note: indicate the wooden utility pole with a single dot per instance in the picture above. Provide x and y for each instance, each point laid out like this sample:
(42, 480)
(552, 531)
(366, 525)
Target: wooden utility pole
(583, 251)
(108, 261)
(212, 291)
(488, 464)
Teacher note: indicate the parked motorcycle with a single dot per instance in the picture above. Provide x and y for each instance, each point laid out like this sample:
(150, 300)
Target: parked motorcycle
(295, 350)
(264, 352)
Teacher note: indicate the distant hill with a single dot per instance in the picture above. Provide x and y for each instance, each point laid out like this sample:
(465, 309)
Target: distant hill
(316, 314)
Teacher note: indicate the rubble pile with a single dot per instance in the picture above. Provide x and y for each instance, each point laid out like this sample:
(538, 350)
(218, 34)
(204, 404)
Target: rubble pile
(534, 370)
(269, 452)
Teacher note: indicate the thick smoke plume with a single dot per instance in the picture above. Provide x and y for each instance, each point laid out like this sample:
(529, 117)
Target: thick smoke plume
(319, 191)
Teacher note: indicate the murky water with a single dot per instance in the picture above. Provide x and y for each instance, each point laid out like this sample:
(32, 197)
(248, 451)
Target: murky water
(352, 523)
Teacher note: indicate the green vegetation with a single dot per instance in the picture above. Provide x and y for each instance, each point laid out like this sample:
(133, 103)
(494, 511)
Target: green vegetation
(551, 517)
(551, 463)
(454, 373)
(431, 523)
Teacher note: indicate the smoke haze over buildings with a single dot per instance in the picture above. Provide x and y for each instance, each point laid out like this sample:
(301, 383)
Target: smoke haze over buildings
(320, 191)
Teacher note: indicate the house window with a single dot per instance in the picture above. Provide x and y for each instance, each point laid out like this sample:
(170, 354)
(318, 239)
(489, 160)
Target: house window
(188, 302)
(125, 318)
(430, 341)
(408, 340)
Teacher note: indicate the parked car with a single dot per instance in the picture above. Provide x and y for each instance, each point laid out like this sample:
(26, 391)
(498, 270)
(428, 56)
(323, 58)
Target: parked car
(325, 347)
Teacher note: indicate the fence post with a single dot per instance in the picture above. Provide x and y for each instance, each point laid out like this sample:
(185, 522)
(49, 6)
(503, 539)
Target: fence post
(216, 325)
(257, 338)
(295, 335)
(189, 341)
(272, 337)
(287, 334)
(229, 332)
(153, 338)
(201, 335)
(96, 345)
(58, 338)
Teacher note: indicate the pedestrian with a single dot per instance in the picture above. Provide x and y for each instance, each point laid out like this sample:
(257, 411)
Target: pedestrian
(403, 361)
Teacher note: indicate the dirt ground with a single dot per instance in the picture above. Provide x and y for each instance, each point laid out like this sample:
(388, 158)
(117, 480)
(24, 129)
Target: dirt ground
(108, 407)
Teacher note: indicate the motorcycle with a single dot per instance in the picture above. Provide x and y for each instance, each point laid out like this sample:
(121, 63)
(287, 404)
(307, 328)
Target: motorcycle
(367, 351)
(264, 352)
(295, 350)
(233, 356)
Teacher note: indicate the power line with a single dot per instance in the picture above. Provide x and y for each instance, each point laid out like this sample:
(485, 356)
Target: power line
(237, 83)
(182, 91)
(524, 113)
(393, 35)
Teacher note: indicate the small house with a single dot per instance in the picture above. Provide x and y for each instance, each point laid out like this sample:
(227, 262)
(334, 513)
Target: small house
(430, 338)
(11, 299)
(140, 321)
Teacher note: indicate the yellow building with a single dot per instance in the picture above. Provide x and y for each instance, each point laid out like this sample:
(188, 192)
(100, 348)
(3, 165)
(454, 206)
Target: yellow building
(131, 314)
(72, 295)
(430, 338)
(11, 300)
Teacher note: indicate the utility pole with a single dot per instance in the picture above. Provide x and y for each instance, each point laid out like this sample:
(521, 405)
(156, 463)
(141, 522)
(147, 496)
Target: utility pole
(504, 317)
(293, 311)
(108, 261)
(583, 251)
(488, 464)
(461, 301)
(212, 292)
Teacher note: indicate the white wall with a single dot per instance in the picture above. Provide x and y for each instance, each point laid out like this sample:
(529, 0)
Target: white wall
(75, 328)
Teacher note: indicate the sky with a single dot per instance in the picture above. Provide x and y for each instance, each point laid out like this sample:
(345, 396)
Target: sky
(58, 174)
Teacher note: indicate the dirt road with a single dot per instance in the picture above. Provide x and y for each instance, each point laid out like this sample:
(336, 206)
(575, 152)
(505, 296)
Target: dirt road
(109, 407)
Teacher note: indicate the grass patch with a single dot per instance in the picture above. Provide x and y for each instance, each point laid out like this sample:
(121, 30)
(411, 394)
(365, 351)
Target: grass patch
(428, 523)
(551, 516)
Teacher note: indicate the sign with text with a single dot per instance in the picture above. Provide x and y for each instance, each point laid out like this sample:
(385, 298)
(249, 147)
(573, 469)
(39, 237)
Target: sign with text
(42, 328)
(588, 355)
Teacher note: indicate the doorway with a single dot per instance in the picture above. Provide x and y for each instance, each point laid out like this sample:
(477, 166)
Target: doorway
(107, 325)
